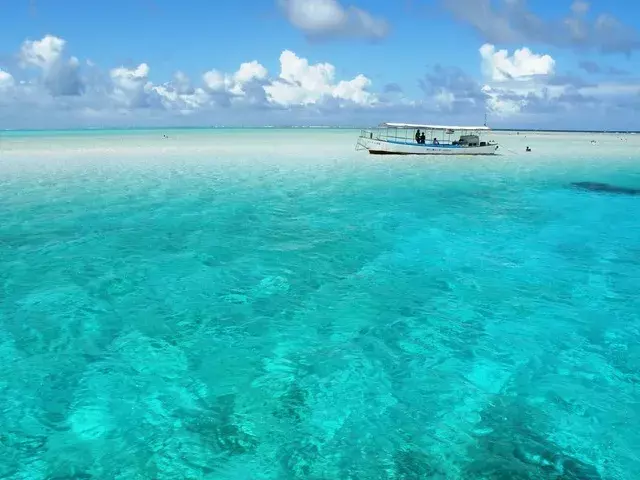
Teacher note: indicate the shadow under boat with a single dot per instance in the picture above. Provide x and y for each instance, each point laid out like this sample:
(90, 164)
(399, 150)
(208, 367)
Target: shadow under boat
(605, 188)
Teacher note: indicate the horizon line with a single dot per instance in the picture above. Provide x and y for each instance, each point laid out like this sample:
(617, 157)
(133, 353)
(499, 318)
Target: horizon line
(283, 127)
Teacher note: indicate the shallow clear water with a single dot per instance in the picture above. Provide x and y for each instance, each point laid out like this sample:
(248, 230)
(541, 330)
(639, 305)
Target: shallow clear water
(274, 305)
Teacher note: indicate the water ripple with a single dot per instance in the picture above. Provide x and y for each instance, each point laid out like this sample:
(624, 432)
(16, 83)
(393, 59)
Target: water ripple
(318, 316)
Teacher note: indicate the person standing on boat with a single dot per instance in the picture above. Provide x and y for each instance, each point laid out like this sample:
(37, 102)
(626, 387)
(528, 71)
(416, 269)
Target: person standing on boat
(422, 138)
(418, 136)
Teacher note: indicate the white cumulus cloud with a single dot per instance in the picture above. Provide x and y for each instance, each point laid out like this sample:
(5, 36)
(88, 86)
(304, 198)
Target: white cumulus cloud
(504, 103)
(61, 76)
(42, 53)
(6, 80)
(235, 84)
(327, 18)
(48, 87)
(62, 87)
(131, 86)
(514, 81)
(179, 94)
(497, 65)
(301, 83)
(526, 84)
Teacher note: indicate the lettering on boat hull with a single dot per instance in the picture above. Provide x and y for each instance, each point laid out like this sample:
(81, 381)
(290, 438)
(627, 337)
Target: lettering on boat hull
(381, 152)
(379, 147)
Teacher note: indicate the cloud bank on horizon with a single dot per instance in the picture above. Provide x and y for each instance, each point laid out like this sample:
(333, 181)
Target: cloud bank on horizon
(43, 85)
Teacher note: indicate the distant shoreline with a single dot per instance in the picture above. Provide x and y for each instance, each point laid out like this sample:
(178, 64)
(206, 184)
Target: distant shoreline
(290, 127)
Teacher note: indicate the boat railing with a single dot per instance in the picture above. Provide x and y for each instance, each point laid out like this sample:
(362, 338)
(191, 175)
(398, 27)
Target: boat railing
(370, 134)
(397, 136)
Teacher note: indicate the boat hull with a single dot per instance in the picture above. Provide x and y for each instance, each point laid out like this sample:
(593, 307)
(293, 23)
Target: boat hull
(382, 147)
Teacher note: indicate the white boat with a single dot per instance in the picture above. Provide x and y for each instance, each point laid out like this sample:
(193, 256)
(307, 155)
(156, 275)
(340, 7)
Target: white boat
(406, 139)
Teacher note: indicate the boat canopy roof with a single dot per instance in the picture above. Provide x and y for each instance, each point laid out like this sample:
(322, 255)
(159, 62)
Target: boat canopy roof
(434, 127)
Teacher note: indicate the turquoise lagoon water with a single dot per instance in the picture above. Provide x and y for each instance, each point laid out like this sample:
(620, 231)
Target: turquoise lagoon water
(275, 305)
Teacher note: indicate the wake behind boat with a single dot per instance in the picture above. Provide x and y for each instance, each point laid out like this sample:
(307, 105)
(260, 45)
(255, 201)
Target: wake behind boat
(412, 139)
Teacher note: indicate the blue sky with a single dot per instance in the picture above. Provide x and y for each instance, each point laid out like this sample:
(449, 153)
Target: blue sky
(561, 64)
